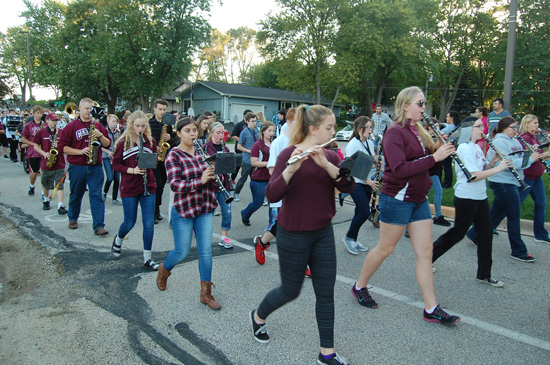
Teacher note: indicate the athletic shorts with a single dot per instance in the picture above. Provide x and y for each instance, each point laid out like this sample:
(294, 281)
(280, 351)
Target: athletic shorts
(34, 164)
(50, 179)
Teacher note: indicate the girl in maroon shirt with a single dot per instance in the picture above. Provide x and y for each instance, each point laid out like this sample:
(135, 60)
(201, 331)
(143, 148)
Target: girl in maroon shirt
(304, 229)
(410, 152)
(132, 186)
(259, 155)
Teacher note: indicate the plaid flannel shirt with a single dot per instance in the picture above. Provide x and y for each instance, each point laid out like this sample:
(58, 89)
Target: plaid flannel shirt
(191, 197)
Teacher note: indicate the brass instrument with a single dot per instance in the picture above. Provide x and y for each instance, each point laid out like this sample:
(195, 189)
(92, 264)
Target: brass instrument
(53, 151)
(163, 147)
(534, 149)
(524, 186)
(306, 153)
(94, 145)
(70, 109)
(226, 195)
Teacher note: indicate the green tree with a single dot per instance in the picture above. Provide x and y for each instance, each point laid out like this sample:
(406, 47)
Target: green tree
(13, 54)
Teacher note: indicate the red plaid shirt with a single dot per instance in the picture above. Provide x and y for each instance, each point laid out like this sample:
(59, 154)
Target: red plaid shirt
(184, 171)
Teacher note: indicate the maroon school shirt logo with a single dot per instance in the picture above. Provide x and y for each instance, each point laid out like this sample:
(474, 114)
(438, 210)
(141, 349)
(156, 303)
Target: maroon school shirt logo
(81, 133)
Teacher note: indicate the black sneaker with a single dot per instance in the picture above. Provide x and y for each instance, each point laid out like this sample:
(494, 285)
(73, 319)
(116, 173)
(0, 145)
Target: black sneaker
(526, 258)
(259, 330)
(363, 297)
(151, 265)
(341, 199)
(441, 221)
(334, 360)
(440, 316)
(31, 190)
(46, 205)
(62, 210)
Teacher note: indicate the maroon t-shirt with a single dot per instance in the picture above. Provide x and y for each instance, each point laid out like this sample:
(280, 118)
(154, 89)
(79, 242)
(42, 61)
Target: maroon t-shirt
(260, 151)
(536, 170)
(44, 138)
(75, 135)
(131, 184)
(308, 199)
(29, 131)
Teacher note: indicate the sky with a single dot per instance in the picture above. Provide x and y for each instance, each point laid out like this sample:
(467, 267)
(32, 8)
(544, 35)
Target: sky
(229, 14)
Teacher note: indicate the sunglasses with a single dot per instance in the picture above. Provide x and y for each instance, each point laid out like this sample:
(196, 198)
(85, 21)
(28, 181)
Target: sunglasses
(421, 103)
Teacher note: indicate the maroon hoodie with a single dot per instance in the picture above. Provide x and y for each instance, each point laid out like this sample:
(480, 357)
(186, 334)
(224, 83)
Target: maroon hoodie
(131, 184)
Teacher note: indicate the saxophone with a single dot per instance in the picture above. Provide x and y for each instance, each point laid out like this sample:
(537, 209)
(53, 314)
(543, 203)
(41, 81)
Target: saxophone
(163, 147)
(53, 151)
(94, 145)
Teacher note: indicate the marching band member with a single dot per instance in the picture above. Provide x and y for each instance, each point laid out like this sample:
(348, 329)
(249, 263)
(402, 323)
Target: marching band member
(213, 146)
(409, 154)
(46, 140)
(132, 187)
(75, 143)
(29, 131)
(111, 176)
(190, 179)
(361, 194)
(506, 187)
(470, 202)
(304, 230)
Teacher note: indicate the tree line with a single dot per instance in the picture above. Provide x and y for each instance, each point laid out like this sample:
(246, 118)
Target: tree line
(350, 51)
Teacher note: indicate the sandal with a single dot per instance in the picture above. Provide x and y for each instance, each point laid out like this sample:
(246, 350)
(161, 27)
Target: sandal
(152, 265)
(116, 249)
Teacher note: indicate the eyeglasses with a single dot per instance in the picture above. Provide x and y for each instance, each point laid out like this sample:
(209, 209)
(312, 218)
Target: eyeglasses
(421, 103)
(478, 126)
(516, 127)
(368, 127)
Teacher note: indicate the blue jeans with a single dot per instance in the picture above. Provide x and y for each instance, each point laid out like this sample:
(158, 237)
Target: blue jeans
(539, 198)
(183, 228)
(401, 213)
(438, 194)
(110, 176)
(79, 176)
(361, 195)
(506, 204)
(258, 194)
(226, 212)
(130, 208)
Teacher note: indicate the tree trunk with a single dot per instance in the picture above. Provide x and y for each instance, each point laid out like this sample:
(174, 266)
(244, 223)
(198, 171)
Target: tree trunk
(335, 96)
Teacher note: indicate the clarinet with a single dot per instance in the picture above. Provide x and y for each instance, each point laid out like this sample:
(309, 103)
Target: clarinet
(454, 155)
(227, 196)
(146, 192)
(531, 148)
(374, 216)
(524, 186)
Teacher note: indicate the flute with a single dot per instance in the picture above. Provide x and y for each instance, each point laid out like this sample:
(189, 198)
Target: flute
(524, 186)
(454, 155)
(306, 153)
(531, 148)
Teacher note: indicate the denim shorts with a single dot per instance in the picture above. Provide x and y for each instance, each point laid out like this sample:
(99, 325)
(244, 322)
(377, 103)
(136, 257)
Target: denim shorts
(401, 213)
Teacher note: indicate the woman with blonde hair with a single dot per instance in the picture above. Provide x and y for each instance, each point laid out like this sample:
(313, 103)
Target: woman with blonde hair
(137, 137)
(304, 229)
(409, 152)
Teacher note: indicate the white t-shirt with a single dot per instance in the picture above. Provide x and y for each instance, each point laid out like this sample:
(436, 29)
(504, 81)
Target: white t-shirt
(474, 160)
(279, 144)
(356, 145)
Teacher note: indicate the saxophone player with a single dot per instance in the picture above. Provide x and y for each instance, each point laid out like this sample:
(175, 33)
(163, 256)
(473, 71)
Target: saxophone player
(75, 142)
(53, 163)
(159, 109)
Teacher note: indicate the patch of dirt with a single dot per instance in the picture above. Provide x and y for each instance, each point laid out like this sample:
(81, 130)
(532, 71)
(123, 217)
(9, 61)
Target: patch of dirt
(24, 265)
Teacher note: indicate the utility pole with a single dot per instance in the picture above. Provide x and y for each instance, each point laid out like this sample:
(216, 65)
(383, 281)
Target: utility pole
(510, 50)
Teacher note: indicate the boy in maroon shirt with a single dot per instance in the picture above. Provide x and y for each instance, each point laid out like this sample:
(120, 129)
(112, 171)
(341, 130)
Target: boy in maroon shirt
(46, 140)
(29, 131)
(75, 143)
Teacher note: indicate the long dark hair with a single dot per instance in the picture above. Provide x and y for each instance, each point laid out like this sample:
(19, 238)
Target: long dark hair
(358, 125)
(504, 123)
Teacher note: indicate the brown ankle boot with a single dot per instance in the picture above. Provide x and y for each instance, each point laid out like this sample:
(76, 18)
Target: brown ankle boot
(162, 276)
(206, 295)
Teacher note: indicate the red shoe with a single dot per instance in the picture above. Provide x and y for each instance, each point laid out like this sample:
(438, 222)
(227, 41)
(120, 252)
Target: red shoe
(308, 272)
(260, 248)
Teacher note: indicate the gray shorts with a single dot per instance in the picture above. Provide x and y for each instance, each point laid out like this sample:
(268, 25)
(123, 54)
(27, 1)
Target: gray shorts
(51, 178)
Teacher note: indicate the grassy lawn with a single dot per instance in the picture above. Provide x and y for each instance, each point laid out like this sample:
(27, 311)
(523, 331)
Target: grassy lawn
(526, 209)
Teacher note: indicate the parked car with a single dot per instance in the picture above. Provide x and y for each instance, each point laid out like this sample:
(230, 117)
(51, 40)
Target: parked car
(345, 133)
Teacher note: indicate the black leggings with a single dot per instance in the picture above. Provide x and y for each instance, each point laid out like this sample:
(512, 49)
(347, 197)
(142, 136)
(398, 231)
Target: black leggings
(470, 211)
(296, 250)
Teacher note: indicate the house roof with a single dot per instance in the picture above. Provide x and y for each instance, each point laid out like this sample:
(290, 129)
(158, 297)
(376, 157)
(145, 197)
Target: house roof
(259, 92)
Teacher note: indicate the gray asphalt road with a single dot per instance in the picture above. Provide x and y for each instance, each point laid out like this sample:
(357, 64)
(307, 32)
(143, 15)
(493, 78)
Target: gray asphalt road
(110, 311)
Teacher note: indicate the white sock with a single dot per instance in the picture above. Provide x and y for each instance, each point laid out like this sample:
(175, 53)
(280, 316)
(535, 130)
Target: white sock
(146, 255)
(357, 287)
(45, 198)
(59, 205)
(31, 185)
(430, 311)
(119, 240)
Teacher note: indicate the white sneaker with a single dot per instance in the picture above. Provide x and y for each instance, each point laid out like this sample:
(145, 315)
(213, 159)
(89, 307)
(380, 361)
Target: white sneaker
(265, 203)
(351, 245)
(491, 281)
(225, 243)
(236, 197)
(216, 212)
(360, 247)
